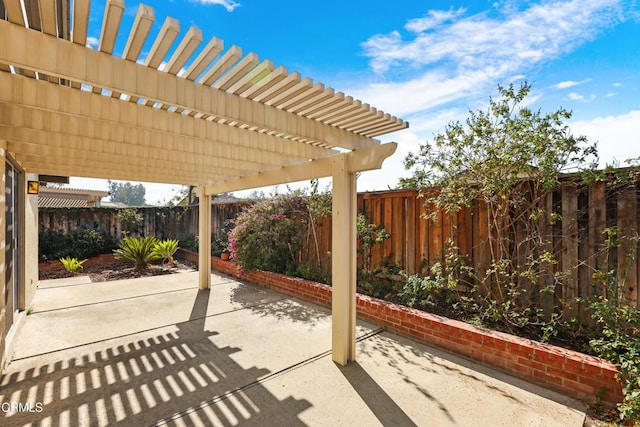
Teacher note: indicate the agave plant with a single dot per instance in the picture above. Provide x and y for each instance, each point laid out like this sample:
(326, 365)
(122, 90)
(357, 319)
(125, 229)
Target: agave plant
(165, 249)
(139, 250)
(72, 265)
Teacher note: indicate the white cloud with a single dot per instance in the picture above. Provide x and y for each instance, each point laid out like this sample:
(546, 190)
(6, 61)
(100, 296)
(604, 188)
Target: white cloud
(465, 56)
(93, 42)
(433, 19)
(573, 96)
(538, 33)
(227, 4)
(569, 83)
(617, 136)
(616, 84)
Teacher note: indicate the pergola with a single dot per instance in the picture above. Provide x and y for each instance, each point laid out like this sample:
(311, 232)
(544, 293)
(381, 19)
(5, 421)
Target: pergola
(220, 120)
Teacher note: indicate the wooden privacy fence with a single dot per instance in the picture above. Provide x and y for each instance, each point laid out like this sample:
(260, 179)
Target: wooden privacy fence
(162, 222)
(577, 239)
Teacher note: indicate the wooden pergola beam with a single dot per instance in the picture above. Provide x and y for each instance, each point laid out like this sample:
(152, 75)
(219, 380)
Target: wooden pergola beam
(357, 161)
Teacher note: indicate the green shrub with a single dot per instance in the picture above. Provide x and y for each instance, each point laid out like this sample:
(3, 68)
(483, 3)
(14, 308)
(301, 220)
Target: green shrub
(188, 241)
(139, 250)
(165, 250)
(72, 265)
(81, 243)
(52, 245)
(88, 242)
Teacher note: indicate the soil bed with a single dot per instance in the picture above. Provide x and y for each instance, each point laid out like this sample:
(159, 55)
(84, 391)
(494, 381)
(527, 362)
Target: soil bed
(119, 270)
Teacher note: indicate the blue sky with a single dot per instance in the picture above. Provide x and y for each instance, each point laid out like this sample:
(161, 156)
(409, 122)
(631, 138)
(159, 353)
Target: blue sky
(428, 62)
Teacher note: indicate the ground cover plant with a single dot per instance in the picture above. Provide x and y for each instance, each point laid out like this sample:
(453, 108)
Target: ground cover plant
(72, 265)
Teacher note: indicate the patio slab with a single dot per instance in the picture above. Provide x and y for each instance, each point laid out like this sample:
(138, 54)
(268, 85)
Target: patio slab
(156, 351)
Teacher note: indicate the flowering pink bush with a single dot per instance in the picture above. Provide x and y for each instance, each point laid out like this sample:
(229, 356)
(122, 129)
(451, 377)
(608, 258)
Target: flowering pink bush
(267, 235)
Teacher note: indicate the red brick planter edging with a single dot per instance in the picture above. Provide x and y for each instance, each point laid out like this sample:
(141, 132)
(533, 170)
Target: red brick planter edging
(104, 260)
(575, 374)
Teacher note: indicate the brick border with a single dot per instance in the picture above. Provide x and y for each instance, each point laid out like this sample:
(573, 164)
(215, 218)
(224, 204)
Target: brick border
(100, 260)
(578, 375)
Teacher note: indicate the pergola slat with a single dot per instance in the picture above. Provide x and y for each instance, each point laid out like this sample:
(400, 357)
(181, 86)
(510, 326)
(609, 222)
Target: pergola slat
(265, 83)
(252, 78)
(167, 35)
(225, 62)
(328, 103)
(48, 17)
(109, 32)
(346, 110)
(80, 21)
(110, 25)
(281, 86)
(140, 29)
(302, 96)
(14, 12)
(208, 54)
(245, 65)
(300, 87)
(187, 46)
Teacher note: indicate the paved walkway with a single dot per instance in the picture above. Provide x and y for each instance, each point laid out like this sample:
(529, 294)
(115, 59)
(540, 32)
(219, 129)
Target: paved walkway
(156, 351)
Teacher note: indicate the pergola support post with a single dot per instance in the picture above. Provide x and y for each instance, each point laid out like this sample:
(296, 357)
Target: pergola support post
(204, 238)
(343, 262)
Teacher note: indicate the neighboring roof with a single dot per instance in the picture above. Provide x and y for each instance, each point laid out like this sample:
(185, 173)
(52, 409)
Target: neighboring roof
(55, 202)
(225, 199)
(109, 204)
(60, 197)
(228, 115)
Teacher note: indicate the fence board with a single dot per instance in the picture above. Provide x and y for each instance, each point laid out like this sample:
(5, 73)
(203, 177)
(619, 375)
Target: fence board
(628, 244)
(596, 256)
(569, 255)
(410, 231)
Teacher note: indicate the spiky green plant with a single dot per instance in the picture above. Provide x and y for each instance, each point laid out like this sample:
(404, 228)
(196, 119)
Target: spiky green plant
(72, 265)
(165, 249)
(139, 250)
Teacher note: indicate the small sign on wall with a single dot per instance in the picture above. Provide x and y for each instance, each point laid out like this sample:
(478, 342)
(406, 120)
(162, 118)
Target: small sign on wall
(33, 187)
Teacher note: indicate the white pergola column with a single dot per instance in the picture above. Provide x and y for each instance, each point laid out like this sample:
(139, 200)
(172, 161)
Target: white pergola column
(343, 262)
(204, 238)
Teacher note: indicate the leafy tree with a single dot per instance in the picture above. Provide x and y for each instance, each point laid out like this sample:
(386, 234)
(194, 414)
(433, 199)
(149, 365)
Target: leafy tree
(507, 159)
(127, 193)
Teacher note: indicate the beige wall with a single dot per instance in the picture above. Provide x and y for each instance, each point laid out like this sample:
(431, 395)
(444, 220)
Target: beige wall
(29, 245)
(27, 255)
(3, 315)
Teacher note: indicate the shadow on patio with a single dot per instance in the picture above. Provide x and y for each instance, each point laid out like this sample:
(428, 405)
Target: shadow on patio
(178, 375)
(159, 352)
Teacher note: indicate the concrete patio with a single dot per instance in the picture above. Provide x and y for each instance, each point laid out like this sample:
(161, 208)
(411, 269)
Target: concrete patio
(156, 351)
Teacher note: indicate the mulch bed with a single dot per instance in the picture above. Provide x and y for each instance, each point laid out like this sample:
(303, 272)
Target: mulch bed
(117, 271)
